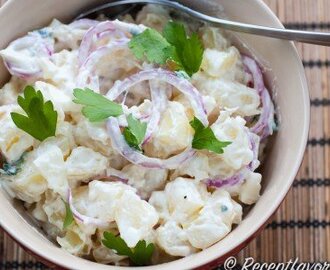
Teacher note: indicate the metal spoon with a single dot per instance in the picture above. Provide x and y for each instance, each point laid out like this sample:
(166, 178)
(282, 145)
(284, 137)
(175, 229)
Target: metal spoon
(319, 38)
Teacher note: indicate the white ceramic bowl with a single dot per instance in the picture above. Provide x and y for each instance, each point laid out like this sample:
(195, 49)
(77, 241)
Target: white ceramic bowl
(285, 76)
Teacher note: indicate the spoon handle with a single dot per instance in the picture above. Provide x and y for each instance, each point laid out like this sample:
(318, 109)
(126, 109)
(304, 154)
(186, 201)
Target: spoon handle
(319, 38)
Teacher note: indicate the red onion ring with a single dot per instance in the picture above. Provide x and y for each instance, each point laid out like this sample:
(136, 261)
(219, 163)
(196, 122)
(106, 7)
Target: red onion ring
(219, 182)
(119, 144)
(21, 73)
(253, 68)
(159, 100)
(105, 29)
(32, 40)
(158, 97)
(86, 68)
(183, 85)
(264, 126)
(113, 177)
(254, 164)
(83, 218)
(237, 178)
(86, 45)
(144, 117)
(83, 24)
(118, 175)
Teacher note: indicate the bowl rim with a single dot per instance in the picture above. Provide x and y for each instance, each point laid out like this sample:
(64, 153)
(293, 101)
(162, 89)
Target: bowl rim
(211, 258)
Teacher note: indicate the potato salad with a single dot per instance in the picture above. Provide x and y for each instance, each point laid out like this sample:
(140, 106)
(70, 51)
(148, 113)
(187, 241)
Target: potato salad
(133, 141)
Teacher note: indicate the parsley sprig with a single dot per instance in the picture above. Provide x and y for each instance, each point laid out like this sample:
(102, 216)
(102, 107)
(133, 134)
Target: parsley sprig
(139, 255)
(135, 132)
(152, 45)
(12, 168)
(189, 49)
(173, 48)
(40, 119)
(68, 220)
(204, 138)
(96, 107)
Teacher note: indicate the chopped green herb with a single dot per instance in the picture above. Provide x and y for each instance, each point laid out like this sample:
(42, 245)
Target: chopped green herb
(174, 46)
(96, 106)
(41, 118)
(68, 220)
(152, 45)
(135, 132)
(12, 168)
(175, 34)
(204, 138)
(224, 208)
(189, 49)
(139, 255)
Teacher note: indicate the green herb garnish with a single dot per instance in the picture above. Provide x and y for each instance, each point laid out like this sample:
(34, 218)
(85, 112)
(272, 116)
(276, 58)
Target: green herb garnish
(135, 132)
(153, 46)
(174, 46)
(41, 119)
(12, 168)
(68, 220)
(96, 107)
(139, 255)
(189, 49)
(204, 138)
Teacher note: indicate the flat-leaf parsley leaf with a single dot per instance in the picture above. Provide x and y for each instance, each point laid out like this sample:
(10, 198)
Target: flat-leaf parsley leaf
(152, 45)
(204, 138)
(12, 168)
(174, 46)
(68, 220)
(139, 255)
(96, 106)
(189, 49)
(135, 132)
(41, 119)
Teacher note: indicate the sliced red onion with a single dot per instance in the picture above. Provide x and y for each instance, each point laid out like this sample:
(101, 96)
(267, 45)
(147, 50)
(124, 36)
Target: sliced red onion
(36, 45)
(83, 24)
(118, 175)
(254, 69)
(85, 73)
(144, 117)
(112, 177)
(183, 85)
(264, 126)
(82, 218)
(136, 157)
(219, 182)
(254, 145)
(159, 101)
(20, 72)
(237, 178)
(114, 29)
(86, 45)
